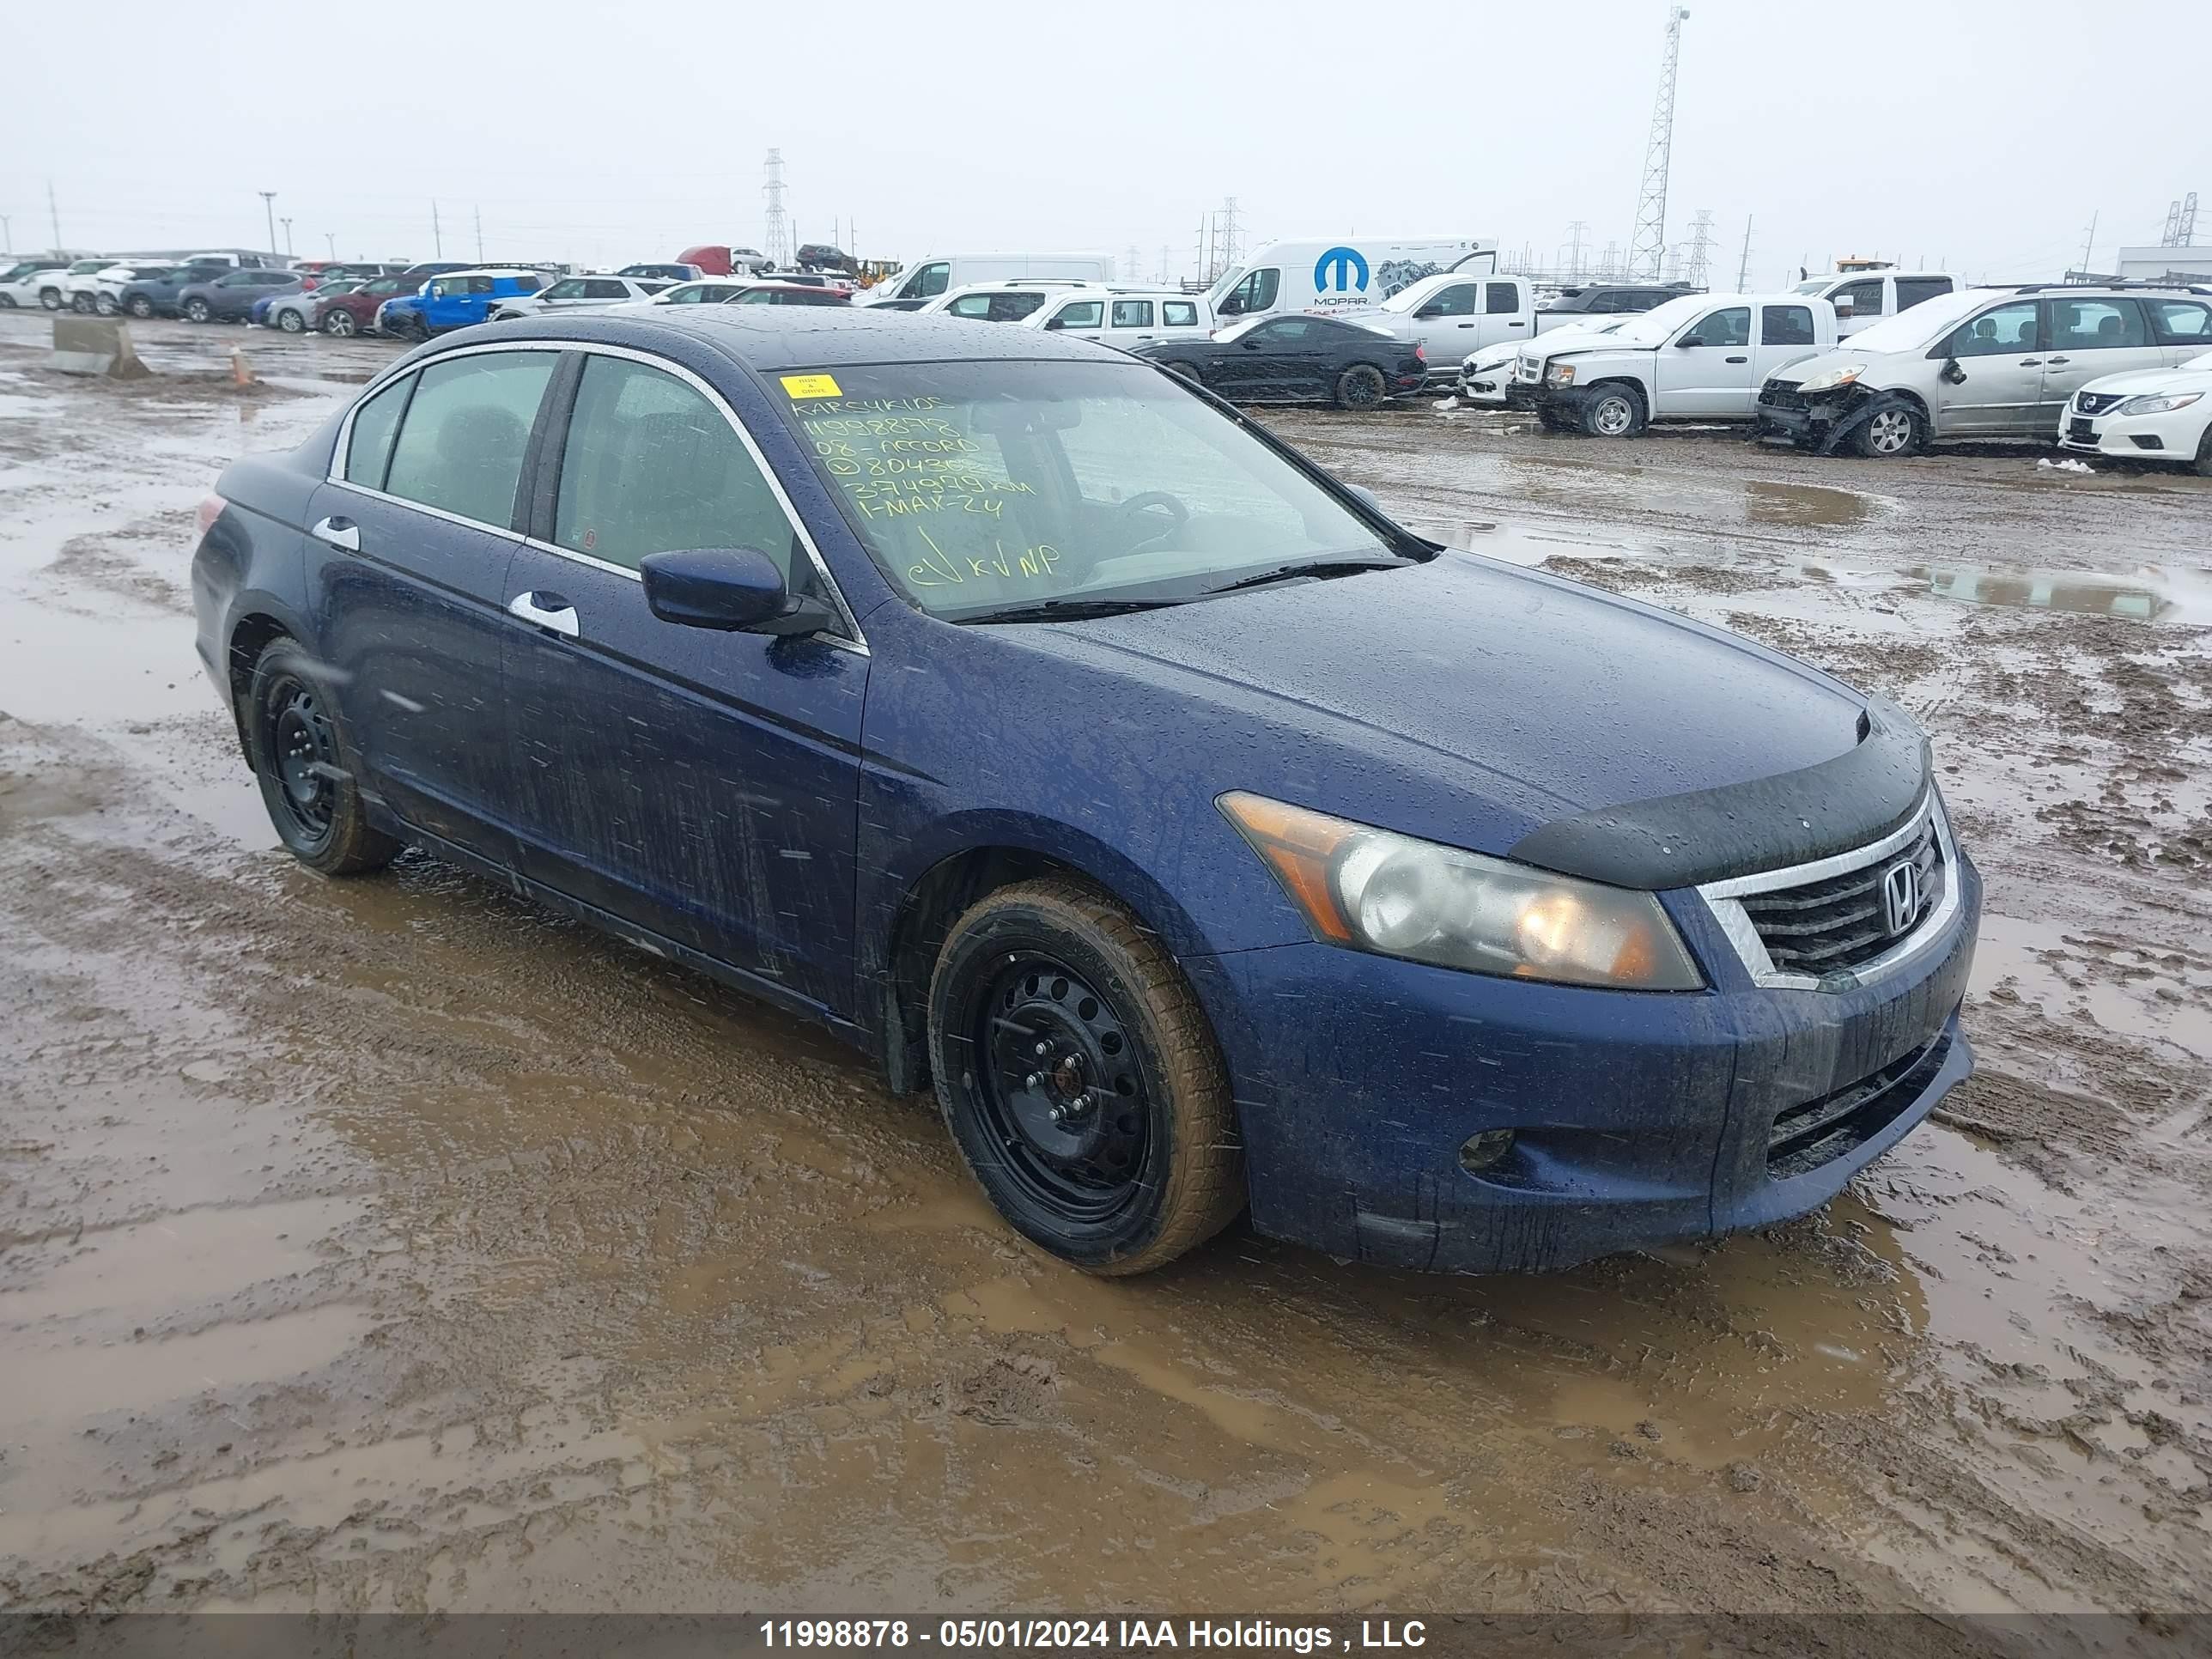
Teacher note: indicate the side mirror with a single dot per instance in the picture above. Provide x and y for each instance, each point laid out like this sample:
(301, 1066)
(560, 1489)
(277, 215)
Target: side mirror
(735, 590)
(1052, 323)
(1250, 343)
(1429, 311)
(1845, 306)
(1951, 375)
(1368, 496)
(1231, 307)
(1684, 345)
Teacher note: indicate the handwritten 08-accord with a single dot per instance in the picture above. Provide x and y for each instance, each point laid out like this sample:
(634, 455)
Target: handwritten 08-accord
(1038, 723)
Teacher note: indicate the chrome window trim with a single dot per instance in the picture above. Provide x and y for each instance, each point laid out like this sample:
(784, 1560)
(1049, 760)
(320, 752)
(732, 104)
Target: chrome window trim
(851, 639)
(1722, 899)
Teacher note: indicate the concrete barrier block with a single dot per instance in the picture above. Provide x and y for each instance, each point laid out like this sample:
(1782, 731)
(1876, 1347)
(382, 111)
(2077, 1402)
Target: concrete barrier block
(96, 345)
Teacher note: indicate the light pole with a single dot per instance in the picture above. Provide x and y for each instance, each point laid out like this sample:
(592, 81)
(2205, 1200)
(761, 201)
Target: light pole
(288, 238)
(331, 237)
(7, 240)
(268, 207)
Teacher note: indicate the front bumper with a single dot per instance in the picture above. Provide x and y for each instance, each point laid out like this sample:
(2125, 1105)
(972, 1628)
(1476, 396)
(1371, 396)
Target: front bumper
(2175, 436)
(1640, 1119)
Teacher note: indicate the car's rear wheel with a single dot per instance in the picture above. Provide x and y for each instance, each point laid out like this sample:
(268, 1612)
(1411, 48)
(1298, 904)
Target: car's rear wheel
(290, 321)
(2204, 454)
(339, 322)
(1894, 429)
(81, 303)
(292, 734)
(1080, 1079)
(104, 304)
(1360, 386)
(140, 306)
(1612, 411)
(6, 302)
(197, 310)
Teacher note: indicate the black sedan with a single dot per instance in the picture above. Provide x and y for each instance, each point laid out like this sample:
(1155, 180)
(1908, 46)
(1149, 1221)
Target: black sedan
(1297, 359)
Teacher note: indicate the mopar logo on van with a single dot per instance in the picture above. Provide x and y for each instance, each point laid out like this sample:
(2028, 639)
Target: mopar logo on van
(1341, 271)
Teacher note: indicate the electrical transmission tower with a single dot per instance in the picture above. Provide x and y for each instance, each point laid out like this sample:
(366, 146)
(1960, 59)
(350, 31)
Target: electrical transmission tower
(1575, 228)
(1226, 244)
(1701, 249)
(2181, 223)
(776, 241)
(1647, 250)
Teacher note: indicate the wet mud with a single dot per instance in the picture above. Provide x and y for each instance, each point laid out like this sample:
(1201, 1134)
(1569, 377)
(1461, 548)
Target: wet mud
(387, 1244)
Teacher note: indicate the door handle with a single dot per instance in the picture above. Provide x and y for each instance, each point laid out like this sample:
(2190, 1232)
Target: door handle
(2056, 362)
(338, 532)
(558, 617)
(1517, 323)
(2031, 362)
(1736, 360)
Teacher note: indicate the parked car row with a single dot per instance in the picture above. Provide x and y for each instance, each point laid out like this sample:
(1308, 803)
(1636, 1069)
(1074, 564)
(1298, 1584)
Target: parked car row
(2113, 369)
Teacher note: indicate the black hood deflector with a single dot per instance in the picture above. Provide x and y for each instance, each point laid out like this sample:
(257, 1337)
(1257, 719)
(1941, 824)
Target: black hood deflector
(1769, 824)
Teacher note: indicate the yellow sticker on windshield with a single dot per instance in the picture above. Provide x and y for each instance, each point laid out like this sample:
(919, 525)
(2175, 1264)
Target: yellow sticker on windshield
(810, 386)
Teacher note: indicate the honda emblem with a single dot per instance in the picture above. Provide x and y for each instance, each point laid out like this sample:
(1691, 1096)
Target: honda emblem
(1900, 896)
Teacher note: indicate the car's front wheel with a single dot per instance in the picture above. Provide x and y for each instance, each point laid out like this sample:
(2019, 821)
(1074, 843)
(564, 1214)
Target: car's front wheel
(2204, 454)
(1894, 429)
(339, 323)
(51, 298)
(1612, 411)
(81, 304)
(1360, 386)
(104, 304)
(140, 306)
(292, 734)
(1080, 1079)
(197, 310)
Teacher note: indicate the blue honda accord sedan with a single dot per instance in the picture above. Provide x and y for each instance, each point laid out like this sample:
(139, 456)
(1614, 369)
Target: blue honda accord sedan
(1040, 723)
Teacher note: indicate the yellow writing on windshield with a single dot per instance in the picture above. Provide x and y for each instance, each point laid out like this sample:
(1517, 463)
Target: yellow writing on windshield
(943, 569)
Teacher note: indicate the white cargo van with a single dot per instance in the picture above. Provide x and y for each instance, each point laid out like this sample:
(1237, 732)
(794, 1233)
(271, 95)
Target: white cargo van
(1346, 274)
(928, 278)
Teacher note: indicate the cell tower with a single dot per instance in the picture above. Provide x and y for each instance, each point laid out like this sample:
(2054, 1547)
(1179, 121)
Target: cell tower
(776, 241)
(2181, 223)
(1701, 249)
(1647, 249)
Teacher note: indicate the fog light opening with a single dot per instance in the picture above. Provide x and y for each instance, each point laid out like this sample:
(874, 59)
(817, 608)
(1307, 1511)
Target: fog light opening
(1482, 1151)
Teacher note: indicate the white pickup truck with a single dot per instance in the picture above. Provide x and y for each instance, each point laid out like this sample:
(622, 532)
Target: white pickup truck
(1863, 298)
(1702, 358)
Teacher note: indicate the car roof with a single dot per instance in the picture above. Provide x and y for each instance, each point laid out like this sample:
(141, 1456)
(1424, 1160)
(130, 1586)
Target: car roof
(768, 338)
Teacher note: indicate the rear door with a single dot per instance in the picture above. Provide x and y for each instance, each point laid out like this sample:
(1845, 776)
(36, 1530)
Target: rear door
(1706, 369)
(1179, 321)
(1994, 385)
(2089, 340)
(702, 785)
(1786, 333)
(408, 557)
(2184, 328)
(1131, 323)
(1505, 315)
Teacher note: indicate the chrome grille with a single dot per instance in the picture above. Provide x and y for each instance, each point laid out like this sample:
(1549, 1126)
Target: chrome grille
(1844, 921)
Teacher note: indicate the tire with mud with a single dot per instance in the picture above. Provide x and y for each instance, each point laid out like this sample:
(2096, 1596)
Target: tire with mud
(1613, 411)
(1894, 427)
(140, 306)
(197, 310)
(1080, 1079)
(1360, 386)
(291, 726)
(340, 323)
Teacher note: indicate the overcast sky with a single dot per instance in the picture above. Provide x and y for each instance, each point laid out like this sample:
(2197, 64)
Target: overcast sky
(1982, 134)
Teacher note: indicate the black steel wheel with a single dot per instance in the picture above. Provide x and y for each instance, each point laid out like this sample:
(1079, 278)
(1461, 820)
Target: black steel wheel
(293, 733)
(1360, 386)
(1080, 1079)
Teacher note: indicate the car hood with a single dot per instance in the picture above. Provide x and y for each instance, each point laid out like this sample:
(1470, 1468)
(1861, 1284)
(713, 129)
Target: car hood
(1505, 352)
(1880, 368)
(1467, 699)
(2140, 380)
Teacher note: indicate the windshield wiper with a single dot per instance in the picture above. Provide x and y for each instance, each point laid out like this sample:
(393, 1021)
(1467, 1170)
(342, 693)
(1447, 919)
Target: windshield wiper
(1070, 609)
(1308, 568)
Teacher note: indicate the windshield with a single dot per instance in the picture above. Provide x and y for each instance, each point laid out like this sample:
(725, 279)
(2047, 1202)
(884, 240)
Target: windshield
(1653, 327)
(1813, 285)
(1922, 326)
(978, 486)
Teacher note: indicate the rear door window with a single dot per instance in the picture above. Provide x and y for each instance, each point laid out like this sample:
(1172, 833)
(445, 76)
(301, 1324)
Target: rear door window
(1133, 313)
(2097, 324)
(1178, 314)
(604, 287)
(1911, 290)
(1501, 299)
(650, 465)
(460, 448)
(1785, 325)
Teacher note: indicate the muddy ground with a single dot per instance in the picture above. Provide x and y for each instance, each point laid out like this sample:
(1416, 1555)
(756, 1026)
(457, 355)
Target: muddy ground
(385, 1244)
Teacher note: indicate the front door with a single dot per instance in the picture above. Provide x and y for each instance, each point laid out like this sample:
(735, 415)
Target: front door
(1706, 368)
(408, 573)
(703, 785)
(1995, 377)
(1448, 324)
(2090, 338)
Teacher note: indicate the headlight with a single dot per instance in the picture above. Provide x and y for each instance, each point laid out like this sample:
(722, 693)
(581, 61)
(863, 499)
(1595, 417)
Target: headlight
(1559, 374)
(2158, 403)
(1371, 890)
(1829, 379)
